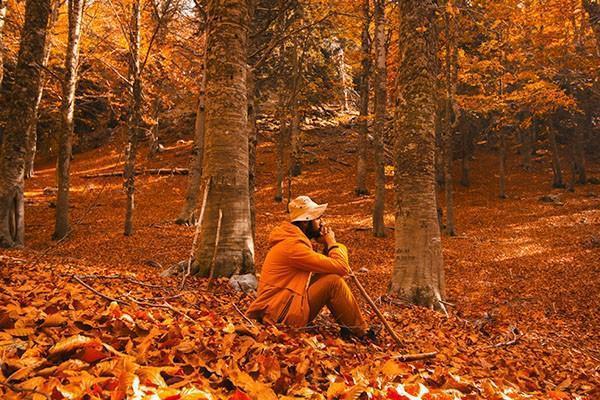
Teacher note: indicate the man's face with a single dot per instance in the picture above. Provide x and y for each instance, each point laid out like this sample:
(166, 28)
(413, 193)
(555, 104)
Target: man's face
(313, 230)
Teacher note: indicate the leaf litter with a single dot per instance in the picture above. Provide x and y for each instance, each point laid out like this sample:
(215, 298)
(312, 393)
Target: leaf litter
(523, 286)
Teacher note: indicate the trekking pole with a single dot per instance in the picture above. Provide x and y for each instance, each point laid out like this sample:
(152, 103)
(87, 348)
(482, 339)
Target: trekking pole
(386, 324)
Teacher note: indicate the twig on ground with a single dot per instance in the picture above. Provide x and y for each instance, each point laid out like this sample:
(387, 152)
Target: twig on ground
(415, 356)
(105, 297)
(23, 390)
(164, 305)
(447, 303)
(516, 336)
(376, 309)
(248, 320)
(118, 276)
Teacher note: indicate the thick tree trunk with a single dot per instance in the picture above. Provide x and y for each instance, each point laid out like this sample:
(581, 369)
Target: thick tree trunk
(593, 9)
(3, 7)
(418, 267)
(363, 125)
(75, 15)
(226, 145)
(187, 214)
(21, 111)
(557, 180)
(451, 60)
(135, 118)
(379, 125)
(32, 127)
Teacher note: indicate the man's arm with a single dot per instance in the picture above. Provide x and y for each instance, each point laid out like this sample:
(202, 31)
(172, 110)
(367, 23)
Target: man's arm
(335, 260)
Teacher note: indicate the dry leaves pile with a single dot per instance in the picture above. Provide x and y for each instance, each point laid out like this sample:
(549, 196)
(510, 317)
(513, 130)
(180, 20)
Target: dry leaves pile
(523, 276)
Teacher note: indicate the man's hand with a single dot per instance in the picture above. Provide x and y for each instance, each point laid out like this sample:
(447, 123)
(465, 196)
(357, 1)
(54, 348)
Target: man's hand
(328, 236)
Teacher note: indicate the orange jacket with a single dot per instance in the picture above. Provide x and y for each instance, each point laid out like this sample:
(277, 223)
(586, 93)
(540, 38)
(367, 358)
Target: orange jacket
(285, 276)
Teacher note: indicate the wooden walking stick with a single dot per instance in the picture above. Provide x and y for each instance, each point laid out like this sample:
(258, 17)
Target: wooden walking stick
(386, 324)
(388, 327)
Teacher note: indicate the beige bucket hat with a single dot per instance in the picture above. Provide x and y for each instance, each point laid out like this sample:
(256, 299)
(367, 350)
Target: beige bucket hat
(302, 208)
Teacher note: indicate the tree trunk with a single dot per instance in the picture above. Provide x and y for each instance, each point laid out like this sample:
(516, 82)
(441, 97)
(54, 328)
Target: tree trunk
(379, 125)
(226, 145)
(451, 60)
(465, 178)
(75, 15)
(295, 140)
(3, 7)
(579, 154)
(502, 157)
(187, 214)
(363, 125)
(20, 112)
(32, 127)
(252, 141)
(418, 273)
(135, 117)
(282, 165)
(593, 9)
(526, 148)
(557, 181)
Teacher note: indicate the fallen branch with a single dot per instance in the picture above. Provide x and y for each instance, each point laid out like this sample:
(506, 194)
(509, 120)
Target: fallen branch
(344, 163)
(387, 325)
(248, 320)
(126, 278)
(152, 171)
(164, 305)
(105, 297)
(415, 356)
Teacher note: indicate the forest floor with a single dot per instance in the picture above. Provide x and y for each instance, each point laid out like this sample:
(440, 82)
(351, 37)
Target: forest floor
(523, 277)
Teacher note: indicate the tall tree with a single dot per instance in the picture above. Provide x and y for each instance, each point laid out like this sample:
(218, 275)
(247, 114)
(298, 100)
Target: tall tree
(187, 216)
(20, 112)
(135, 117)
(363, 125)
(3, 7)
(225, 246)
(593, 9)
(418, 273)
(380, 117)
(32, 128)
(451, 71)
(75, 15)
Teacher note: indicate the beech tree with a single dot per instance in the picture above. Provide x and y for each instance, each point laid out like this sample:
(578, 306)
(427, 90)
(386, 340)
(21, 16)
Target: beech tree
(418, 273)
(363, 125)
(380, 117)
(69, 86)
(33, 123)
(20, 112)
(225, 245)
(3, 8)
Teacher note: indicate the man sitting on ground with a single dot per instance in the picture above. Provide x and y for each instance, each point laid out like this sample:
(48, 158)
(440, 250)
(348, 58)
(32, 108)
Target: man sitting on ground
(296, 282)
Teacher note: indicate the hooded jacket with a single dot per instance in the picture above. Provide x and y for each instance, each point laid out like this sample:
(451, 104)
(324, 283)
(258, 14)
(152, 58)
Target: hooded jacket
(285, 276)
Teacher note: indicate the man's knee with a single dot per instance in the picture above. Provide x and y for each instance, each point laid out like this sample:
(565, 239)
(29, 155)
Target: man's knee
(333, 280)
